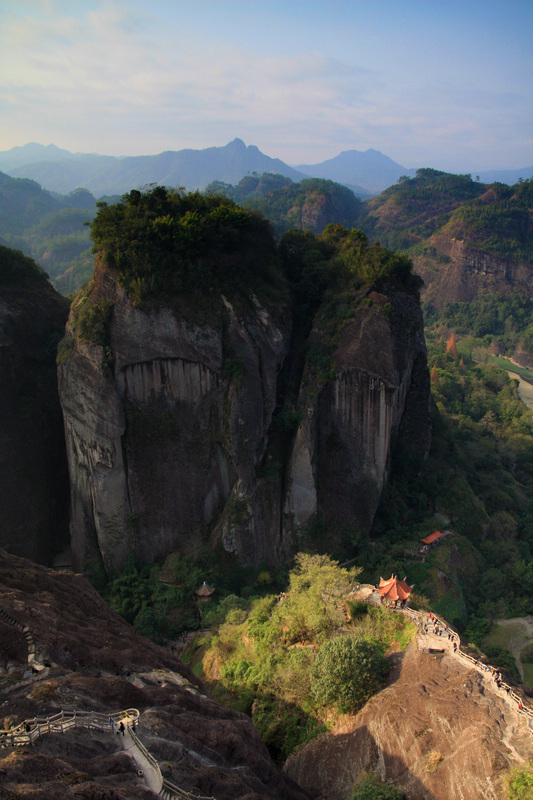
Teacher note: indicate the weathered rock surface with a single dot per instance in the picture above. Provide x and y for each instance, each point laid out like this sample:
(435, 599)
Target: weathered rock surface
(97, 662)
(463, 272)
(164, 449)
(437, 731)
(33, 468)
(171, 449)
(339, 463)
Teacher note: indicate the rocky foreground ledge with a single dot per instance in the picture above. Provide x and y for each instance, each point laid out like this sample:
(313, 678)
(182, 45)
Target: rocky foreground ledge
(92, 660)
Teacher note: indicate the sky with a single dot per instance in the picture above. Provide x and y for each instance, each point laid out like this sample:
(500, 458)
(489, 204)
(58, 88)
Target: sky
(440, 83)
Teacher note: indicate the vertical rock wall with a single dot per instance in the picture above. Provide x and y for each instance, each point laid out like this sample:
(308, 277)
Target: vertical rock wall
(163, 451)
(33, 465)
(339, 463)
(172, 447)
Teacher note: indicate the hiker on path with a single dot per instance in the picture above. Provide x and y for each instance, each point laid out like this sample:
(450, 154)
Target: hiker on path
(112, 723)
(121, 728)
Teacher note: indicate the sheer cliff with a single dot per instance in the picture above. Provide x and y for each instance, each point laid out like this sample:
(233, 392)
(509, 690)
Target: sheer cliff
(33, 468)
(160, 448)
(175, 411)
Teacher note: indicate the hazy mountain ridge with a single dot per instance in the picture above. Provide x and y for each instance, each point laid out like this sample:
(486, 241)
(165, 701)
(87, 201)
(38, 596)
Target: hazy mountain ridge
(367, 172)
(373, 170)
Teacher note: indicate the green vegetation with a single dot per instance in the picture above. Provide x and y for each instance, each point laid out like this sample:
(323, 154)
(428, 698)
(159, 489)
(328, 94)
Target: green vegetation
(347, 672)
(503, 318)
(50, 228)
(158, 601)
(163, 242)
(371, 787)
(520, 783)
(499, 221)
(268, 655)
(20, 271)
(330, 275)
(307, 205)
(414, 208)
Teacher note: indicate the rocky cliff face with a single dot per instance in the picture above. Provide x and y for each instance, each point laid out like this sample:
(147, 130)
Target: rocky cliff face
(339, 463)
(33, 473)
(457, 272)
(164, 449)
(168, 426)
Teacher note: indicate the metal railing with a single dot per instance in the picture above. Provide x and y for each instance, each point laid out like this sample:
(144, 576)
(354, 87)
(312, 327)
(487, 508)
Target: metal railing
(521, 709)
(32, 729)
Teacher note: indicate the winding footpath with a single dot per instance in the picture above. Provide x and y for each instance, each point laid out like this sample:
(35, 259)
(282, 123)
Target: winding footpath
(148, 770)
(430, 640)
(433, 636)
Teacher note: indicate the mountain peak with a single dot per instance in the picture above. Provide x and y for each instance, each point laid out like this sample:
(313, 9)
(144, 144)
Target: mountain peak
(237, 144)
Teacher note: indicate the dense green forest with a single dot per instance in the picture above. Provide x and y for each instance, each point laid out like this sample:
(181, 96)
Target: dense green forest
(50, 228)
(499, 221)
(308, 205)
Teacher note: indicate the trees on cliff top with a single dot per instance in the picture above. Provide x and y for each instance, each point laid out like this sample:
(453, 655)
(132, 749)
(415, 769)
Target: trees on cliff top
(164, 241)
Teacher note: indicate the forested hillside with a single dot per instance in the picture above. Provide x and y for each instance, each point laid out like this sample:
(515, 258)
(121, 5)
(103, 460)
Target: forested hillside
(308, 205)
(50, 228)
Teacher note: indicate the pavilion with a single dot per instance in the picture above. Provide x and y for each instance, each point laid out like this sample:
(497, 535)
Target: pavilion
(432, 539)
(394, 590)
(204, 592)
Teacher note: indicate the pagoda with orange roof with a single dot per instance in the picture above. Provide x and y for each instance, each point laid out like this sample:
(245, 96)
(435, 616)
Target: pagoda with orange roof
(394, 590)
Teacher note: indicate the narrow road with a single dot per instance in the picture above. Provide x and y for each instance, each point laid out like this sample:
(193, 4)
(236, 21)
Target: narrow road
(151, 775)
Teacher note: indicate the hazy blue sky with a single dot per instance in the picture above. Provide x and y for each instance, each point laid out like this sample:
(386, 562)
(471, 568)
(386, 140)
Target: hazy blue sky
(441, 83)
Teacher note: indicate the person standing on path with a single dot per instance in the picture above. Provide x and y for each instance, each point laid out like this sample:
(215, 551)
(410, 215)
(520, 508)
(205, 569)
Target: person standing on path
(121, 728)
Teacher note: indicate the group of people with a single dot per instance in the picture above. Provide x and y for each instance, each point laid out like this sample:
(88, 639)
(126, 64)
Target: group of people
(440, 629)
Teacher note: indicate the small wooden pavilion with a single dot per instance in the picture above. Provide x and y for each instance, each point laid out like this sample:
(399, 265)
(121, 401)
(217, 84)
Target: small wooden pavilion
(394, 591)
(205, 592)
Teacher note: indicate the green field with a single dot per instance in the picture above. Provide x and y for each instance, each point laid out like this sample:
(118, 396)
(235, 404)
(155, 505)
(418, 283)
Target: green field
(514, 636)
(504, 363)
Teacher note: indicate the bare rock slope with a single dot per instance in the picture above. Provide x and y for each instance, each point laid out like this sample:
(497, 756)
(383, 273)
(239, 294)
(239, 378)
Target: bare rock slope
(438, 731)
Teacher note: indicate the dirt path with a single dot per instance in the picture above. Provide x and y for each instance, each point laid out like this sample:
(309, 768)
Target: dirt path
(521, 633)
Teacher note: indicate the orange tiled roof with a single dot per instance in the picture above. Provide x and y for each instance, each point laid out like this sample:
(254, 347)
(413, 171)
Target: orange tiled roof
(432, 537)
(393, 589)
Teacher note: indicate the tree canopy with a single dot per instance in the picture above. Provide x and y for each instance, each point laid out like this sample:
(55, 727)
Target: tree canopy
(347, 671)
(163, 241)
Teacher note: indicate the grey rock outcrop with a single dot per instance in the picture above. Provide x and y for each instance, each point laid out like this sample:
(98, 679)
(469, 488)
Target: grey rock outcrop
(169, 426)
(340, 460)
(165, 449)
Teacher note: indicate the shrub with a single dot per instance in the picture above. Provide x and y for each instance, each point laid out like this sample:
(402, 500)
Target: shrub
(347, 671)
(520, 783)
(371, 787)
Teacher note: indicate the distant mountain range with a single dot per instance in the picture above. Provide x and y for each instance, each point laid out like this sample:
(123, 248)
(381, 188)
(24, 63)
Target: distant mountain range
(365, 173)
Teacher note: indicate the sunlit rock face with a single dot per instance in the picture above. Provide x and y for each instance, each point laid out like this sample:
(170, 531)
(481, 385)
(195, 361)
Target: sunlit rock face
(458, 272)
